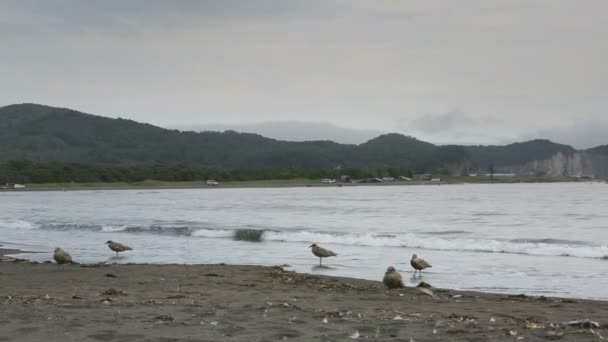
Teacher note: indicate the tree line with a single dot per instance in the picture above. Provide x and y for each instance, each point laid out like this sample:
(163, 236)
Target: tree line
(25, 171)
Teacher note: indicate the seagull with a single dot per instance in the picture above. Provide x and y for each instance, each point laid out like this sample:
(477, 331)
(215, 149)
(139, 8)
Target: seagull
(321, 252)
(419, 264)
(392, 279)
(62, 257)
(118, 247)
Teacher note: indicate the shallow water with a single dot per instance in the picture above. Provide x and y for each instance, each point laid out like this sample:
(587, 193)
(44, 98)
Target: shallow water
(549, 239)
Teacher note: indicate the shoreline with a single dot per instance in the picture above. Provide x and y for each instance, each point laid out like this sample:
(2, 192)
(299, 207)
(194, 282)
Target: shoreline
(158, 185)
(261, 303)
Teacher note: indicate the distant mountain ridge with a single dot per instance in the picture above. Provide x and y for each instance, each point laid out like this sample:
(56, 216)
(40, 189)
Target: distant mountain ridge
(292, 131)
(42, 133)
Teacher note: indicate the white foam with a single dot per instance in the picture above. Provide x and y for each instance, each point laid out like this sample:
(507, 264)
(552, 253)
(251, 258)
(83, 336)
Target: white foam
(109, 228)
(18, 224)
(213, 233)
(438, 243)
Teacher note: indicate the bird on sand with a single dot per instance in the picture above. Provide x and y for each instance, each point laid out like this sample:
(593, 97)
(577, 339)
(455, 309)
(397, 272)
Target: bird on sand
(321, 252)
(117, 246)
(392, 279)
(62, 257)
(419, 264)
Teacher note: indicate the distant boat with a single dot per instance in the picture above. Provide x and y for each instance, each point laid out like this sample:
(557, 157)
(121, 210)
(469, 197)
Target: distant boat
(327, 181)
(211, 182)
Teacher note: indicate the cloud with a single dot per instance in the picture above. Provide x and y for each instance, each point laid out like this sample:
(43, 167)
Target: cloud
(355, 63)
(581, 134)
(440, 123)
(456, 127)
(294, 131)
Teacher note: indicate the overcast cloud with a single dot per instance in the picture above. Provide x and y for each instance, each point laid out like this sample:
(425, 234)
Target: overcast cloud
(473, 71)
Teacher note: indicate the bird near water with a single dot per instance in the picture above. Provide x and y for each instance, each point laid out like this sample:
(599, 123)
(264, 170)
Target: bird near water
(118, 247)
(321, 252)
(419, 264)
(62, 257)
(392, 279)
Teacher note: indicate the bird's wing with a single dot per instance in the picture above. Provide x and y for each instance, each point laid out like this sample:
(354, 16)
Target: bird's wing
(422, 263)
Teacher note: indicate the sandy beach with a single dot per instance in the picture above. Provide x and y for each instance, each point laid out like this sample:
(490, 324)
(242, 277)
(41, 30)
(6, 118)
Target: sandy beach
(110, 302)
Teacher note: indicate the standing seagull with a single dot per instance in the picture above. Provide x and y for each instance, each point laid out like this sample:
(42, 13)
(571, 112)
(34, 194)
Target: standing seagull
(118, 247)
(321, 252)
(62, 257)
(392, 279)
(419, 264)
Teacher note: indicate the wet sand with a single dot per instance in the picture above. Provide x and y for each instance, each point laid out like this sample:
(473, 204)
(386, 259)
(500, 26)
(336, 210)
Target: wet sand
(48, 302)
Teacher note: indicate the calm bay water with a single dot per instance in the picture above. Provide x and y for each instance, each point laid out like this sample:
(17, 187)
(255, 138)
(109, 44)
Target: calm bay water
(538, 239)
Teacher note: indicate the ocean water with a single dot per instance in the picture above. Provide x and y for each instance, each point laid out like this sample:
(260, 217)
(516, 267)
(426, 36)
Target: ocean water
(537, 239)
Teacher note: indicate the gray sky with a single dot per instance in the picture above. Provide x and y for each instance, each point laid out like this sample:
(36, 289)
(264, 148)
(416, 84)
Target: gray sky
(469, 71)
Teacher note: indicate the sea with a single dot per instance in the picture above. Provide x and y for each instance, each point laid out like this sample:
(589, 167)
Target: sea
(535, 239)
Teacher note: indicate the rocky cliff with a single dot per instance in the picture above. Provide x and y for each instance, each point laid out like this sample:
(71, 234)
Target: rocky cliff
(577, 164)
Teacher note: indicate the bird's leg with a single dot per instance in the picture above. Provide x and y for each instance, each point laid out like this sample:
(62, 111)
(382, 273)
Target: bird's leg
(320, 261)
(117, 254)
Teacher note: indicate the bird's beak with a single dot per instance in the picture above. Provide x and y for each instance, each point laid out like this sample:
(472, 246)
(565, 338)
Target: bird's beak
(310, 246)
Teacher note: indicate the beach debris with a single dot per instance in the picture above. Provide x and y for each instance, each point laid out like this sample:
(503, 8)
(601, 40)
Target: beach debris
(62, 257)
(399, 318)
(492, 319)
(321, 252)
(76, 297)
(435, 331)
(213, 323)
(533, 325)
(325, 321)
(424, 285)
(419, 264)
(554, 334)
(22, 299)
(392, 279)
(596, 333)
(428, 292)
(583, 323)
(355, 335)
(117, 246)
(457, 296)
(164, 318)
(177, 296)
(113, 292)
(469, 320)
(110, 275)
(512, 332)
(212, 275)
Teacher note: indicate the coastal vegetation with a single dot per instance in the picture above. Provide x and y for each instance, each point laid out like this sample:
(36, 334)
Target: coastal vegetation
(118, 149)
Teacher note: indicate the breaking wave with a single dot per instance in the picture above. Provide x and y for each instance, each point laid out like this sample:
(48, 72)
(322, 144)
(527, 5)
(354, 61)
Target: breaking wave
(443, 240)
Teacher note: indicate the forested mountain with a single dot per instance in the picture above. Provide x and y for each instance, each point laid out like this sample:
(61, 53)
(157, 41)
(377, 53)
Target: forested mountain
(516, 153)
(41, 133)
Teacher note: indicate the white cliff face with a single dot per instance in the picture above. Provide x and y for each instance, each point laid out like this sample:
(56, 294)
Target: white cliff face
(578, 164)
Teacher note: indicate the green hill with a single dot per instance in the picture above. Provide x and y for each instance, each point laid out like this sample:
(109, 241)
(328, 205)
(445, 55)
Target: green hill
(41, 133)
